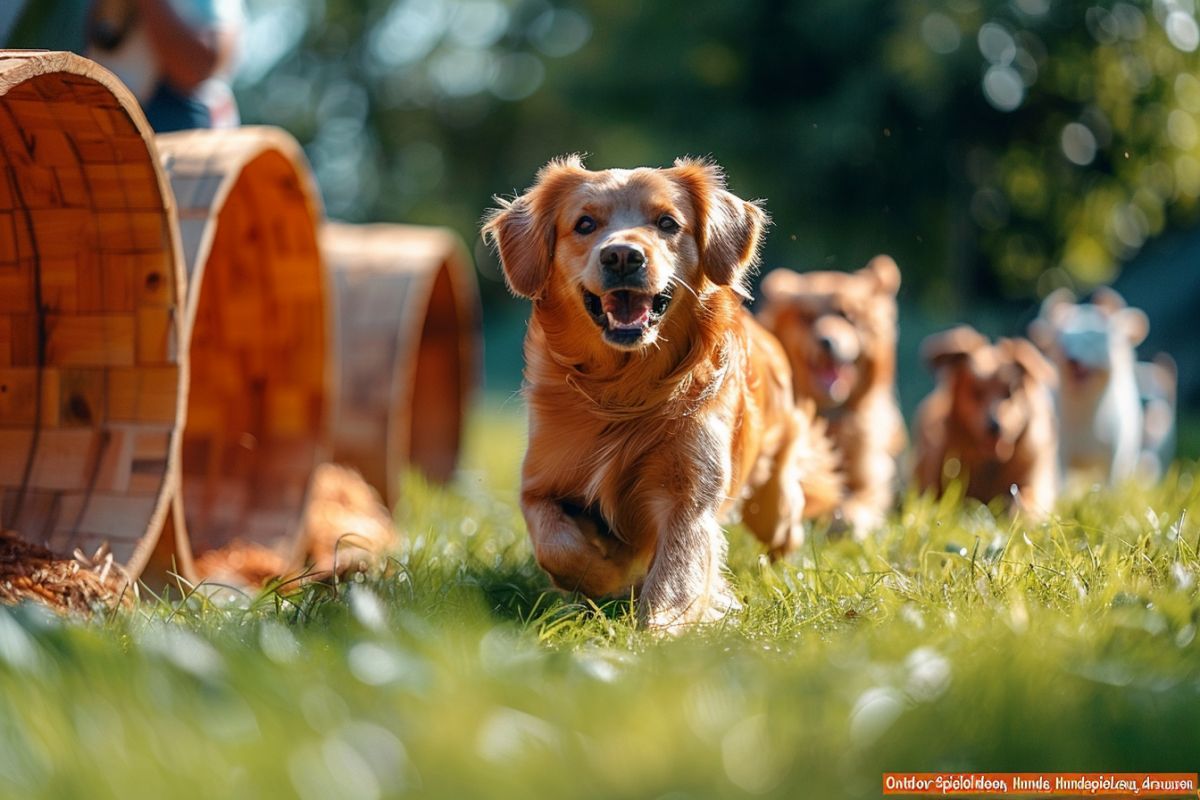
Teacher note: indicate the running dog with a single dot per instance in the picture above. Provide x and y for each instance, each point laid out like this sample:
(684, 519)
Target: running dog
(657, 405)
(989, 422)
(839, 331)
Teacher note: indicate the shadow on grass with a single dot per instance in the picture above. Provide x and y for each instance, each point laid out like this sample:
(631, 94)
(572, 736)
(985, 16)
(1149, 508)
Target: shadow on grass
(522, 593)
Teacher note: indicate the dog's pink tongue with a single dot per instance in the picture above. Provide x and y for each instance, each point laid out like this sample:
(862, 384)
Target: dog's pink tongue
(835, 385)
(627, 309)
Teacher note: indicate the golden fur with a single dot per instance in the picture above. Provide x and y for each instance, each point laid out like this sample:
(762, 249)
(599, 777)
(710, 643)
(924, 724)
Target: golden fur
(839, 331)
(638, 447)
(989, 422)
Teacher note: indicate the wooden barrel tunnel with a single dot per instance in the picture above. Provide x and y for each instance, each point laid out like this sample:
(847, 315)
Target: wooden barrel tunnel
(258, 319)
(91, 375)
(408, 344)
(129, 261)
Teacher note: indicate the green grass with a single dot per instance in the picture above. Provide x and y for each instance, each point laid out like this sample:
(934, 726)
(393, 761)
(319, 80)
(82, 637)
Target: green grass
(953, 642)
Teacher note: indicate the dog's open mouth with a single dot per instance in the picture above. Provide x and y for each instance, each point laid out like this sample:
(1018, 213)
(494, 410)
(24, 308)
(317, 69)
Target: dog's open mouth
(1079, 371)
(625, 315)
(835, 379)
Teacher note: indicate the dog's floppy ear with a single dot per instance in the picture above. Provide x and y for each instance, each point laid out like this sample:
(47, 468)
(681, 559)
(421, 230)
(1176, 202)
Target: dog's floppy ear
(522, 229)
(779, 289)
(883, 271)
(1108, 299)
(1056, 303)
(952, 347)
(1042, 329)
(728, 229)
(780, 285)
(1134, 323)
(1035, 365)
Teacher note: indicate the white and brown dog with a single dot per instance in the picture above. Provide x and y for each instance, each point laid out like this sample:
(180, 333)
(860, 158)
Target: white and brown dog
(1099, 407)
(1157, 382)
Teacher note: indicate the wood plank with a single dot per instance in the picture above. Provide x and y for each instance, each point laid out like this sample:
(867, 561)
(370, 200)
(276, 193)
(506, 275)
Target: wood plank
(39, 511)
(6, 359)
(287, 412)
(151, 454)
(87, 340)
(71, 185)
(117, 281)
(153, 279)
(16, 288)
(39, 186)
(115, 462)
(8, 198)
(23, 340)
(14, 452)
(106, 185)
(64, 458)
(148, 230)
(18, 396)
(95, 150)
(60, 285)
(8, 235)
(51, 148)
(143, 394)
(118, 516)
(31, 113)
(59, 231)
(51, 391)
(80, 397)
(155, 336)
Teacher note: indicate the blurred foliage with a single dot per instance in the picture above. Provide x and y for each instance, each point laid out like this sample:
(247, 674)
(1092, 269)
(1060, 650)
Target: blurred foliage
(997, 148)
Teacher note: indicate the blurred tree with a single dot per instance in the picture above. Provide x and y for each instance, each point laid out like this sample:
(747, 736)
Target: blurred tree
(996, 147)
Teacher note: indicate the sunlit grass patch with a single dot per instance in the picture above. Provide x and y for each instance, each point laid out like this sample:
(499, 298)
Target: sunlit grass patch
(954, 640)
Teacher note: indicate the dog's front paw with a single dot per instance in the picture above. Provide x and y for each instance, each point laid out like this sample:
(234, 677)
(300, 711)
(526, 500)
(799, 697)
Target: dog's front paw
(674, 619)
(860, 520)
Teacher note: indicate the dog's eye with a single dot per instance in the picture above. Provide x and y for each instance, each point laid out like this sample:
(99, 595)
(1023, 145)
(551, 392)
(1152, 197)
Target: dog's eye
(585, 225)
(667, 224)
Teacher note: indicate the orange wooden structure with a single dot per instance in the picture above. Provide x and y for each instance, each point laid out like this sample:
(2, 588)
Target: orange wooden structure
(258, 320)
(91, 374)
(408, 339)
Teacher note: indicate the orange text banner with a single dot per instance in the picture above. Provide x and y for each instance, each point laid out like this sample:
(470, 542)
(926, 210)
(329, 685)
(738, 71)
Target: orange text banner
(1034, 784)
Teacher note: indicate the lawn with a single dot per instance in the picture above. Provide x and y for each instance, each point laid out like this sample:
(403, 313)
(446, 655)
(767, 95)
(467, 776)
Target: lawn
(953, 641)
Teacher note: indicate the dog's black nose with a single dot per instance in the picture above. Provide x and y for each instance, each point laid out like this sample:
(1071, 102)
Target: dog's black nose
(826, 343)
(622, 264)
(993, 425)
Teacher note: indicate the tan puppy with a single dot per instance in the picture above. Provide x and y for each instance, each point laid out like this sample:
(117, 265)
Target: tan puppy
(656, 403)
(839, 331)
(989, 421)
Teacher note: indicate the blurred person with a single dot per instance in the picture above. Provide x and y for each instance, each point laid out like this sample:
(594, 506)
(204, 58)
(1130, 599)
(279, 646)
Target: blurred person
(174, 55)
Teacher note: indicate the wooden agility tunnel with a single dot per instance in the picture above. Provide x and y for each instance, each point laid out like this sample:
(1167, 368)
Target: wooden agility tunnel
(258, 317)
(91, 375)
(408, 339)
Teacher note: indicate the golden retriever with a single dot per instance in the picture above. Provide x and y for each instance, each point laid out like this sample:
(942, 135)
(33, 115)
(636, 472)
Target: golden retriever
(839, 331)
(657, 405)
(989, 422)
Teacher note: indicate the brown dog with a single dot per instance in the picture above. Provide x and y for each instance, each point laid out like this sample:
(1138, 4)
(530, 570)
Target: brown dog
(656, 403)
(989, 421)
(839, 331)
